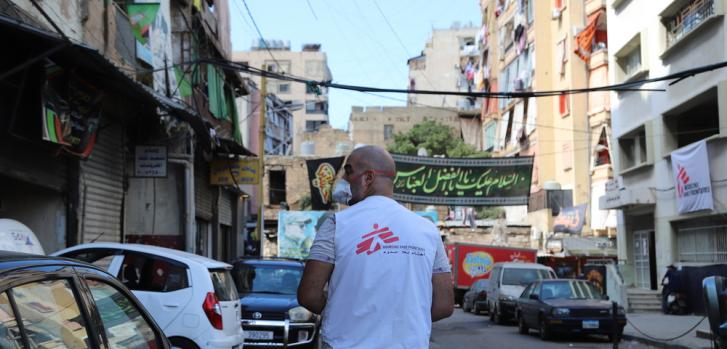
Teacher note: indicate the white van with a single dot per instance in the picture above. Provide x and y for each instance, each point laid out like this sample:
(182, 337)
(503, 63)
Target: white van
(507, 282)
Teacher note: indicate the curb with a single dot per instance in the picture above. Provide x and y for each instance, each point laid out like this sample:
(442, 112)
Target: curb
(653, 343)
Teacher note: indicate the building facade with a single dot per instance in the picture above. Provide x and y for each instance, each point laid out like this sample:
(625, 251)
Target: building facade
(378, 125)
(310, 63)
(127, 123)
(561, 131)
(652, 39)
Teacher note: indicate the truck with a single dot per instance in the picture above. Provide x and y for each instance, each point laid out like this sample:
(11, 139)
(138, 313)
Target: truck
(472, 262)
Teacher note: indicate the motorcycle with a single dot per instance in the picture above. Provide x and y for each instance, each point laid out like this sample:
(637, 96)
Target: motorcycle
(676, 303)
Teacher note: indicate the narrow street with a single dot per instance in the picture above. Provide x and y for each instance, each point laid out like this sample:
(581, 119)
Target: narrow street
(465, 330)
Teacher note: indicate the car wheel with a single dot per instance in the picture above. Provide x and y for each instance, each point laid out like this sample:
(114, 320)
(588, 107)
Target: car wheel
(182, 343)
(492, 313)
(521, 327)
(498, 317)
(544, 330)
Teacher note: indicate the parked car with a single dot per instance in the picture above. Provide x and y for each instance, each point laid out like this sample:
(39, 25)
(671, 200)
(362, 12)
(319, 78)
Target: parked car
(507, 282)
(567, 306)
(475, 299)
(271, 315)
(192, 298)
(48, 302)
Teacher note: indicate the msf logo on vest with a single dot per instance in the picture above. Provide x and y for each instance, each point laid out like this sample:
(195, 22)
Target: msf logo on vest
(374, 240)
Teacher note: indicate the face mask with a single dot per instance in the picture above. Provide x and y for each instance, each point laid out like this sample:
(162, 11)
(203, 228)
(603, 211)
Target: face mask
(342, 192)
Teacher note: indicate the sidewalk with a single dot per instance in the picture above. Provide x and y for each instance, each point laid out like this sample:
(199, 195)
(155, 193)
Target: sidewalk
(667, 326)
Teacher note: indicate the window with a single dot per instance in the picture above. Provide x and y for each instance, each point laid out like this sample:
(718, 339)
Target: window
(266, 279)
(692, 121)
(284, 88)
(563, 104)
(316, 107)
(528, 291)
(99, 257)
(490, 134)
(9, 331)
(633, 149)
(122, 321)
(310, 89)
(224, 286)
(706, 244)
(277, 187)
(508, 131)
(602, 153)
(50, 315)
(140, 272)
(273, 66)
(388, 132)
(314, 125)
(681, 21)
(630, 60)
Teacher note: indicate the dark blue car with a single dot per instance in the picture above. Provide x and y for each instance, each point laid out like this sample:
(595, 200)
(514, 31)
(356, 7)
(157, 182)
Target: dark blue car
(567, 306)
(271, 315)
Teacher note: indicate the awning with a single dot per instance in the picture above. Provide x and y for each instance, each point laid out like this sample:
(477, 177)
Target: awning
(88, 62)
(584, 39)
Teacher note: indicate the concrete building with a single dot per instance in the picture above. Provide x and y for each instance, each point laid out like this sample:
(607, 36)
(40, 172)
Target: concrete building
(378, 125)
(126, 125)
(327, 142)
(310, 63)
(649, 39)
(560, 131)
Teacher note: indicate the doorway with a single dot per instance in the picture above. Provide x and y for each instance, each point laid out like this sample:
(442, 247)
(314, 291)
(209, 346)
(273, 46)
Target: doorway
(644, 259)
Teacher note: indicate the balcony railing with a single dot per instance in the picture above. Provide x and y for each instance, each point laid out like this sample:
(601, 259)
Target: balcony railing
(688, 18)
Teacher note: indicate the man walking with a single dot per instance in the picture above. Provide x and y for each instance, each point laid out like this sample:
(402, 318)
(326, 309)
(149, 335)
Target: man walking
(387, 273)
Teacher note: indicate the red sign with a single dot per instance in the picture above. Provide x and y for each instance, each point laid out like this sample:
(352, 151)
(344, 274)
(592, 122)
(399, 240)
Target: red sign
(474, 262)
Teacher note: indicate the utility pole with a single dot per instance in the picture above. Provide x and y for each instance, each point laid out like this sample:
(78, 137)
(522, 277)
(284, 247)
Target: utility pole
(261, 157)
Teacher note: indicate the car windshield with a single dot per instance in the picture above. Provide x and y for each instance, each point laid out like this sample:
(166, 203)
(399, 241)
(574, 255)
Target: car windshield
(267, 279)
(569, 289)
(523, 276)
(479, 285)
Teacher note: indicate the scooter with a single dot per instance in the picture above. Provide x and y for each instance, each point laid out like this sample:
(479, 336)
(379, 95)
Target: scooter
(676, 303)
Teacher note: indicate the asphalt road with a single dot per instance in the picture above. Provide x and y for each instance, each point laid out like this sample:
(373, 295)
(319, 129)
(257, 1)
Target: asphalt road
(465, 330)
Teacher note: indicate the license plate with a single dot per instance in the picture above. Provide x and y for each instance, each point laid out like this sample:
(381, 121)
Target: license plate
(259, 335)
(590, 324)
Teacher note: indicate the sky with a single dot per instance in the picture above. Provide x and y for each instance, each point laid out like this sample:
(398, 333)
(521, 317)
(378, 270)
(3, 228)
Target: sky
(362, 48)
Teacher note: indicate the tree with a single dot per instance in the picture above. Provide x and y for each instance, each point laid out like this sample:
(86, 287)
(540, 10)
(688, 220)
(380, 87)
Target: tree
(437, 139)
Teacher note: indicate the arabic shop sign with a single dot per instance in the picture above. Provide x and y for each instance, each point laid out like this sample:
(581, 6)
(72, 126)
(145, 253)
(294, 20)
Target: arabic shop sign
(462, 181)
(234, 171)
(150, 161)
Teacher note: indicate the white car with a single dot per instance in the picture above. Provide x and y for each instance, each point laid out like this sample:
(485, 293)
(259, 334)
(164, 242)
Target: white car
(192, 298)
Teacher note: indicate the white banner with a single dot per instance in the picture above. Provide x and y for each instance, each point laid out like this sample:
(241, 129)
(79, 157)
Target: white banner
(692, 181)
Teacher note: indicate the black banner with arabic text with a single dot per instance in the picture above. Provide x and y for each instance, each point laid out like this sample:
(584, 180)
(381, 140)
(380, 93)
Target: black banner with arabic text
(463, 181)
(321, 176)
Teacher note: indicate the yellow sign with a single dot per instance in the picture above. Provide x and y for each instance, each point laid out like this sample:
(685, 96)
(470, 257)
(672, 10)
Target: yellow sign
(234, 171)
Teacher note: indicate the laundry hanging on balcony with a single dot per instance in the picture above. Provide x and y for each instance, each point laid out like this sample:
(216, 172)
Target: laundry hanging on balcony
(585, 39)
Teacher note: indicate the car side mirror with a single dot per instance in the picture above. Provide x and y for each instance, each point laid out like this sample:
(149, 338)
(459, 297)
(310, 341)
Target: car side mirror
(534, 296)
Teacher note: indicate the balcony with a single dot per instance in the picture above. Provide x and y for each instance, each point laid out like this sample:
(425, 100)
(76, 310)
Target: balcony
(469, 51)
(681, 22)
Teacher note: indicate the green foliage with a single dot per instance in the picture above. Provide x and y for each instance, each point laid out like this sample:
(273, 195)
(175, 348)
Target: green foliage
(489, 212)
(437, 139)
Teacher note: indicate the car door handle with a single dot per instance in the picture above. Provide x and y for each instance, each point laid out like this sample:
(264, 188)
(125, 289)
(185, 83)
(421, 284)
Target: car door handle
(171, 305)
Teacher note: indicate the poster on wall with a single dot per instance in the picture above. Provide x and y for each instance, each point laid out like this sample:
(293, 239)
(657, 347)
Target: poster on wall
(691, 178)
(296, 232)
(463, 181)
(321, 177)
(570, 219)
(596, 275)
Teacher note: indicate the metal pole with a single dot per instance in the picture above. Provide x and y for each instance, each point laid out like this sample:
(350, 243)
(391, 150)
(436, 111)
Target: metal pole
(261, 157)
(614, 318)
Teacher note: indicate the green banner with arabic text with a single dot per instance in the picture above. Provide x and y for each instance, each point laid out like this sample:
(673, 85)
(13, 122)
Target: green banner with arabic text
(463, 182)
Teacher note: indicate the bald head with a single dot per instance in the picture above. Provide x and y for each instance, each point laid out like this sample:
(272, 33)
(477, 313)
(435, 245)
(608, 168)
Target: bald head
(372, 157)
(370, 170)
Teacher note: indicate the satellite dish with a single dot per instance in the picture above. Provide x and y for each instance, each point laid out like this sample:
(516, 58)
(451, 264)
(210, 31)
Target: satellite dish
(16, 237)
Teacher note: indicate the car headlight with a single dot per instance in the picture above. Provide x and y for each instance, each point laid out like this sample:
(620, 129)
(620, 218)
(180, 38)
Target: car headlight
(299, 314)
(561, 311)
(620, 310)
(506, 298)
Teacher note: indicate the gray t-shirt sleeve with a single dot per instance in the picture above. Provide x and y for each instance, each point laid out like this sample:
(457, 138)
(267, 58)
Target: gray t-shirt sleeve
(441, 262)
(323, 248)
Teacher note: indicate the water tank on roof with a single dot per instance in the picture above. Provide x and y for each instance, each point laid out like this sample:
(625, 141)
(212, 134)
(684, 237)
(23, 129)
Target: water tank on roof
(551, 185)
(308, 148)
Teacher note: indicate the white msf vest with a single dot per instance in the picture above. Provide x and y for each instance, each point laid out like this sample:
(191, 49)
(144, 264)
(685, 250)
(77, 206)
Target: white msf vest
(380, 292)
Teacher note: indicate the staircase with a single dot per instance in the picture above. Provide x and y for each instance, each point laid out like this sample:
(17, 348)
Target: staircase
(644, 301)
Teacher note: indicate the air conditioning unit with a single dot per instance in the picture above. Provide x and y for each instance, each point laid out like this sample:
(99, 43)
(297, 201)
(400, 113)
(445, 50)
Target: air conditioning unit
(556, 13)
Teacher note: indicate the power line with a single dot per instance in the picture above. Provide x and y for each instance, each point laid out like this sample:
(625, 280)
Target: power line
(396, 35)
(260, 34)
(311, 9)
